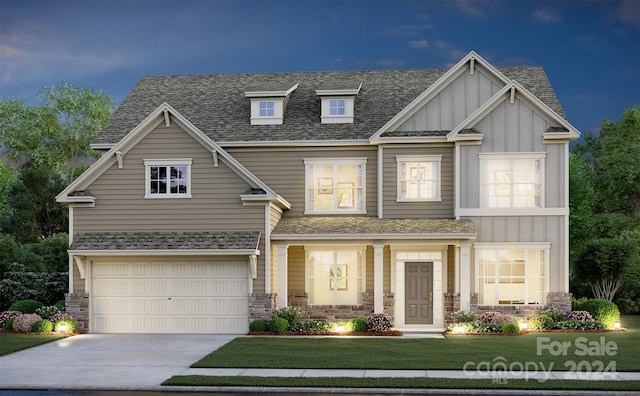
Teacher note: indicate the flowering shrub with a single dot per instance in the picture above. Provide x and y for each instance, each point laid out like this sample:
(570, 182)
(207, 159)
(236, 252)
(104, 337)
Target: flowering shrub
(503, 319)
(379, 322)
(6, 315)
(291, 315)
(60, 316)
(555, 314)
(47, 312)
(487, 328)
(488, 317)
(316, 325)
(23, 323)
(464, 317)
(579, 315)
(580, 325)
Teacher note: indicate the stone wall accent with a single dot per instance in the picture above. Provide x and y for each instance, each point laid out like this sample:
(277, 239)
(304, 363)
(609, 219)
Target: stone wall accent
(77, 305)
(555, 300)
(333, 313)
(261, 306)
(558, 300)
(451, 305)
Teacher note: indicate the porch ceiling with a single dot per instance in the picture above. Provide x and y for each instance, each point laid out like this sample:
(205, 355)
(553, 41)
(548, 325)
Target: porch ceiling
(336, 227)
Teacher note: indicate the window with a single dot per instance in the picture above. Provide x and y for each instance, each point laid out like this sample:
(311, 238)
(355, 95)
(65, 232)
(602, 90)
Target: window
(335, 276)
(512, 275)
(267, 108)
(335, 185)
(337, 107)
(419, 178)
(512, 181)
(168, 178)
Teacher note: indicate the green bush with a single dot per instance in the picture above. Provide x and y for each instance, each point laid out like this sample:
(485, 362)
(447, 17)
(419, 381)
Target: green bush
(61, 305)
(576, 304)
(26, 306)
(510, 328)
(291, 315)
(42, 326)
(603, 311)
(541, 322)
(464, 317)
(556, 315)
(258, 325)
(358, 325)
(486, 328)
(316, 326)
(579, 325)
(278, 325)
(70, 323)
(9, 324)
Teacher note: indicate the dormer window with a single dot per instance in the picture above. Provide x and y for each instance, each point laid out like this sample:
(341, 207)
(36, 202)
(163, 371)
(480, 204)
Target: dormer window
(337, 101)
(269, 103)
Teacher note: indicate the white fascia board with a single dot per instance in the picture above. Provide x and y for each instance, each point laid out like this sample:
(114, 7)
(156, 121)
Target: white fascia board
(295, 143)
(351, 237)
(435, 89)
(270, 94)
(481, 112)
(498, 212)
(102, 146)
(339, 92)
(263, 199)
(167, 252)
(410, 139)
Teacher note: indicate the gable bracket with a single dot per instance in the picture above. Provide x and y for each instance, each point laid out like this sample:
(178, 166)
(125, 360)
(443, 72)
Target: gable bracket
(512, 98)
(472, 62)
(81, 262)
(167, 120)
(253, 264)
(120, 157)
(215, 158)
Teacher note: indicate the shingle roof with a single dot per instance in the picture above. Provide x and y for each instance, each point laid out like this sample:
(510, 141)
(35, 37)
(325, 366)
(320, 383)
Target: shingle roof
(337, 226)
(217, 104)
(244, 240)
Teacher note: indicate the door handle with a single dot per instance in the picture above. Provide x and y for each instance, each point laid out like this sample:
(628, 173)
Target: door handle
(431, 299)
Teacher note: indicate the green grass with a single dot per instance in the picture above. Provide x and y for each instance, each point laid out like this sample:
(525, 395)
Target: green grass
(448, 353)
(14, 342)
(421, 383)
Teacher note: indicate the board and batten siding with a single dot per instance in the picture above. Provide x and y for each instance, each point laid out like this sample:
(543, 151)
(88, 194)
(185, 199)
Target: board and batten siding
(393, 209)
(524, 229)
(455, 102)
(283, 170)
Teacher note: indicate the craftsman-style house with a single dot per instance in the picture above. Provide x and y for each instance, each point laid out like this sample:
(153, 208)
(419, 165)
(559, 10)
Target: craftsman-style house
(219, 198)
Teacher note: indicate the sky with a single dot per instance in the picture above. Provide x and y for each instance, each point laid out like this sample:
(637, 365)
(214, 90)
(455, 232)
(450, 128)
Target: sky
(590, 49)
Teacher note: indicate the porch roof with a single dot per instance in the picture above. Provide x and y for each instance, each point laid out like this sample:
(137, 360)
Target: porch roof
(371, 227)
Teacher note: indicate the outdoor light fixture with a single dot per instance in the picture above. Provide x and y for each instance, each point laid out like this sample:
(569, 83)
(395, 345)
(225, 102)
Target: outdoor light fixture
(459, 329)
(524, 326)
(616, 325)
(62, 328)
(340, 328)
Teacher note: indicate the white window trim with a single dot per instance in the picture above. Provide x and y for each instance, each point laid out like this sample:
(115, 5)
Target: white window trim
(512, 156)
(544, 246)
(346, 118)
(362, 249)
(166, 162)
(278, 111)
(334, 162)
(418, 158)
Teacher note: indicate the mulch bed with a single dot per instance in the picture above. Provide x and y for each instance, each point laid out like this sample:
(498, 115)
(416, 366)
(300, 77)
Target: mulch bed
(391, 333)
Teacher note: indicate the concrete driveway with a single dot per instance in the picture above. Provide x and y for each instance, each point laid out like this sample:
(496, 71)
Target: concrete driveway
(113, 361)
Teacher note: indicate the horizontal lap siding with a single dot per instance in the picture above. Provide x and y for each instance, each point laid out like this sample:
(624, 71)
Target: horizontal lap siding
(393, 209)
(282, 169)
(215, 204)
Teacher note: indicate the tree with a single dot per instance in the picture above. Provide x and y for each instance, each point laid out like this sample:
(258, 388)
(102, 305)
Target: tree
(58, 132)
(581, 203)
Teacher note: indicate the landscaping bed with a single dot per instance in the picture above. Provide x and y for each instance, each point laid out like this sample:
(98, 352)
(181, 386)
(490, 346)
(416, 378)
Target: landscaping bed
(390, 333)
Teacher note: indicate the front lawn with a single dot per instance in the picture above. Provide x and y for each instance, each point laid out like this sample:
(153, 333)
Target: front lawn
(560, 351)
(13, 342)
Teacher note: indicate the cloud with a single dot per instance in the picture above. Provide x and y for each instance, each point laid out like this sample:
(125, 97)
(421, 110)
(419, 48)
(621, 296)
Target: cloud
(547, 16)
(470, 8)
(419, 44)
(628, 11)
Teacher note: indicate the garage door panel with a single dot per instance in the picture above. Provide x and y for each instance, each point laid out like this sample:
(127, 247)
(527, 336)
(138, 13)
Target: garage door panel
(155, 297)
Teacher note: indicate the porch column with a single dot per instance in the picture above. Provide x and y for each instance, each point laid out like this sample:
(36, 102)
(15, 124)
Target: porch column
(282, 275)
(378, 289)
(465, 276)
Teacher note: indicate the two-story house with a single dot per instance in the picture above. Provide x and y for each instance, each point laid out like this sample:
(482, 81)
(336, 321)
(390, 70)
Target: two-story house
(219, 198)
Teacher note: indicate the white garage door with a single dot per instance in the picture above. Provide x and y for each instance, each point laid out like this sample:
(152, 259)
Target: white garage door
(169, 297)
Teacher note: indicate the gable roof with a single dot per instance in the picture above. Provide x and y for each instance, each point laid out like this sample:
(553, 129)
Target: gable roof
(217, 105)
(75, 192)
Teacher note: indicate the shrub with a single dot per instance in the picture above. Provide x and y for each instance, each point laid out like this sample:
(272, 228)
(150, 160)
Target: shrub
(541, 322)
(510, 328)
(61, 305)
(278, 325)
(26, 306)
(6, 315)
(503, 319)
(20, 284)
(291, 315)
(488, 317)
(9, 324)
(583, 316)
(316, 326)
(603, 311)
(576, 304)
(42, 326)
(487, 328)
(379, 322)
(70, 323)
(579, 325)
(258, 325)
(358, 325)
(462, 328)
(47, 312)
(59, 316)
(464, 317)
(556, 315)
(23, 323)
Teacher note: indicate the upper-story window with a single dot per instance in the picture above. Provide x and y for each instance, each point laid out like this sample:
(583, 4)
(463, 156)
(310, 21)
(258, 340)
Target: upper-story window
(419, 178)
(337, 107)
(267, 108)
(509, 180)
(168, 178)
(335, 185)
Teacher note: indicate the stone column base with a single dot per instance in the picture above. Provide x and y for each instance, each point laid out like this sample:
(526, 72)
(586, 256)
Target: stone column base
(77, 305)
